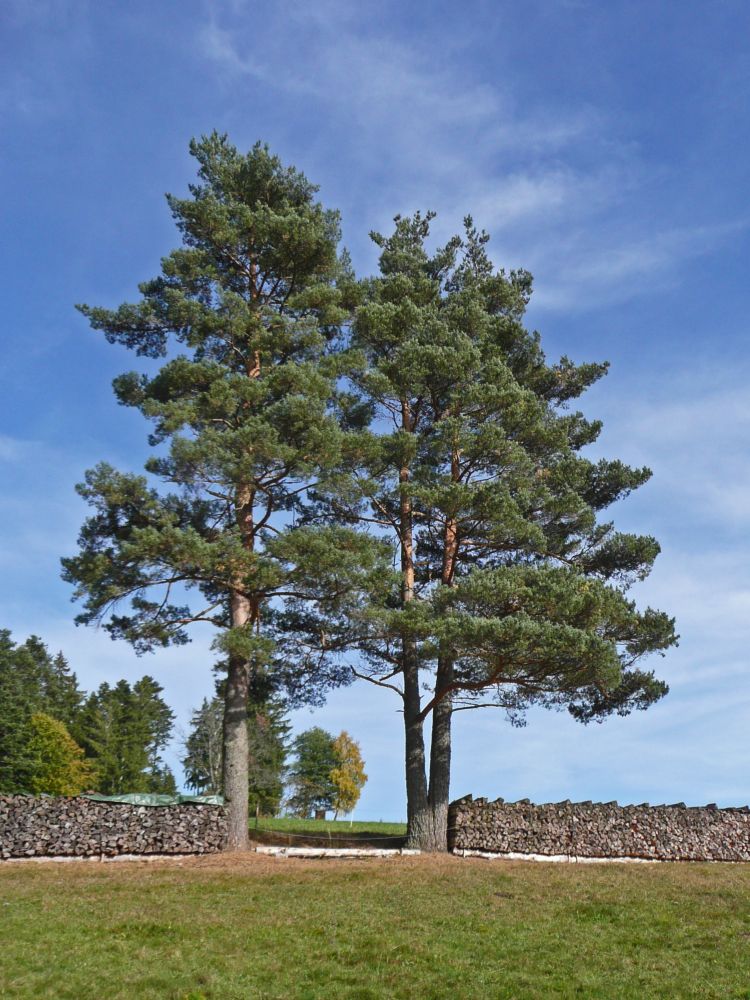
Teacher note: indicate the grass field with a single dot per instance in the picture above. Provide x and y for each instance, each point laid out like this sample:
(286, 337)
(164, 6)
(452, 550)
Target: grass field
(319, 832)
(249, 926)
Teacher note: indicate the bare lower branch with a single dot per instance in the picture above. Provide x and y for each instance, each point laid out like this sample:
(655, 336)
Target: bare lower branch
(376, 682)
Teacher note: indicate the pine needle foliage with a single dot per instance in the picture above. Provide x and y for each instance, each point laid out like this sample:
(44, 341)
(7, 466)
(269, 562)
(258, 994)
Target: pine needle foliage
(513, 586)
(245, 315)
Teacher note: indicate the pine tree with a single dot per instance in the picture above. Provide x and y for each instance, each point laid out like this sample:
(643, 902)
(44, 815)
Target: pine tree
(253, 302)
(512, 591)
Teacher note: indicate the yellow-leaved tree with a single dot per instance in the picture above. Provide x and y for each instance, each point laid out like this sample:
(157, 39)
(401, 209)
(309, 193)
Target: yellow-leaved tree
(349, 775)
(59, 765)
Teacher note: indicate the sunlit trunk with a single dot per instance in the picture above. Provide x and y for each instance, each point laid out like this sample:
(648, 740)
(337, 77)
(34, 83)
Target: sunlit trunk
(442, 715)
(417, 809)
(236, 785)
(243, 614)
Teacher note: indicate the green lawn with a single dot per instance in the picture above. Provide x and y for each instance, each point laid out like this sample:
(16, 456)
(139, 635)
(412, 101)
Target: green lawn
(320, 831)
(408, 928)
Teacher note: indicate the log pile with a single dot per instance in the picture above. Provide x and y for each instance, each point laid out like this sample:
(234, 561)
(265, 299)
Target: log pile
(601, 830)
(32, 826)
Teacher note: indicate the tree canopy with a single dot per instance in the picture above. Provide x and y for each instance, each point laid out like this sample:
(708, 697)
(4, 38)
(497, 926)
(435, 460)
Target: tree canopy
(124, 729)
(32, 680)
(307, 426)
(513, 589)
(348, 775)
(246, 313)
(310, 772)
(55, 738)
(58, 764)
(326, 772)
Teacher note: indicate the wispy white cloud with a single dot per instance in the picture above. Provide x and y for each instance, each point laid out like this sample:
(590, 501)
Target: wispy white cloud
(12, 449)
(433, 125)
(218, 45)
(562, 186)
(382, 80)
(615, 265)
(692, 429)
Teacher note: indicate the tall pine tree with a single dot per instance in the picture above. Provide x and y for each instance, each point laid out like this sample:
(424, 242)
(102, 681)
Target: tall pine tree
(512, 590)
(246, 312)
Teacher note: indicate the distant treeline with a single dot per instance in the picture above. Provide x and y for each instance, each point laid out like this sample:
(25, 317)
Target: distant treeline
(56, 738)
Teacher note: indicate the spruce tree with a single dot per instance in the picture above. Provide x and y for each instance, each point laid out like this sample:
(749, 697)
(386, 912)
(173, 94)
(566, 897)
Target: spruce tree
(268, 732)
(18, 701)
(203, 758)
(246, 313)
(512, 590)
(123, 730)
(31, 680)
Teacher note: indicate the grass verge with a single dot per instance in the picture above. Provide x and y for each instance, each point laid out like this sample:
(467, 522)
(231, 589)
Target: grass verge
(248, 926)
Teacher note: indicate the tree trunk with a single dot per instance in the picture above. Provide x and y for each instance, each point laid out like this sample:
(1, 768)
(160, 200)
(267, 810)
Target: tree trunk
(427, 814)
(424, 836)
(442, 714)
(440, 755)
(242, 613)
(236, 785)
(417, 807)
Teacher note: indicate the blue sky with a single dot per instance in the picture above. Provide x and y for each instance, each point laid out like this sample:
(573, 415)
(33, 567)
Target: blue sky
(605, 148)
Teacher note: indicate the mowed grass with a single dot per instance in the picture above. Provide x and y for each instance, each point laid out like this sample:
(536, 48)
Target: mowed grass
(325, 828)
(252, 926)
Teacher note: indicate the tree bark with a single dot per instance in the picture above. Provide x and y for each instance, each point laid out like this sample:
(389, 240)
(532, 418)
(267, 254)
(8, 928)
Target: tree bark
(442, 716)
(417, 805)
(417, 808)
(236, 786)
(242, 614)
(440, 756)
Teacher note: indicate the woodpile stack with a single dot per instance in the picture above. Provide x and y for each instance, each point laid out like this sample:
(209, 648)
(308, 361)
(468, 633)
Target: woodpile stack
(42, 826)
(601, 830)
